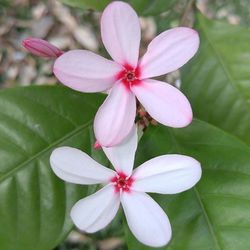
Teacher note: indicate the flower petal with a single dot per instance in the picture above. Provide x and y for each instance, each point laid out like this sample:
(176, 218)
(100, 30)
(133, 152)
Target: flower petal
(165, 103)
(122, 156)
(169, 51)
(167, 174)
(73, 165)
(121, 34)
(97, 210)
(146, 219)
(115, 118)
(85, 71)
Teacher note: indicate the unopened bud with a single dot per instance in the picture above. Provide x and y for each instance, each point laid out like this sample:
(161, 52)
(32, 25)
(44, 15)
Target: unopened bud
(97, 145)
(40, 47)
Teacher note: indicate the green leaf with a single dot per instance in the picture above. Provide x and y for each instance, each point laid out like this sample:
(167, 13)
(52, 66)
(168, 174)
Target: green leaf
(152, 8)
(143, 7)
(217, 81)
(35, 204)
(215, 214)
(87, 4)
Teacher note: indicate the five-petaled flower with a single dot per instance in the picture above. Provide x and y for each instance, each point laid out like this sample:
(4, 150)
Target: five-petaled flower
(127, 77)
(166, 174)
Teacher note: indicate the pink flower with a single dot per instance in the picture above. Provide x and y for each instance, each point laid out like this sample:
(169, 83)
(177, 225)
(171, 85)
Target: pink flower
(40, 47)
(166, 174)
(127, 77)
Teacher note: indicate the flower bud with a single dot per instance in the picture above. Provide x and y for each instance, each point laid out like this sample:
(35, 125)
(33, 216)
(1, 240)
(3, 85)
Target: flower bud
(97, 145)
(40, 47)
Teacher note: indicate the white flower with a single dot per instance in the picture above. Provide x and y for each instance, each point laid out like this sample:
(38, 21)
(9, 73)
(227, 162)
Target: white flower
(166, 174)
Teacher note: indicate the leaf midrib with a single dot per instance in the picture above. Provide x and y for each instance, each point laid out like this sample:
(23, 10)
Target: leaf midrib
(224, 67)
(209, 224)
(43, 151)
(244, 98)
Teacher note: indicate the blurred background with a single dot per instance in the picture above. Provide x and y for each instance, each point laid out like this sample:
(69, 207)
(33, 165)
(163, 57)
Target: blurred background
(70, 28)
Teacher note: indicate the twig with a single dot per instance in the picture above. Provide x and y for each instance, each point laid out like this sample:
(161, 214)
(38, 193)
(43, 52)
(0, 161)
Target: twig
(188, 8)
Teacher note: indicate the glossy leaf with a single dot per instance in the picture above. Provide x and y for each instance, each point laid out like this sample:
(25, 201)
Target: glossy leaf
(35, 204)
(215, 214)
(217, 81)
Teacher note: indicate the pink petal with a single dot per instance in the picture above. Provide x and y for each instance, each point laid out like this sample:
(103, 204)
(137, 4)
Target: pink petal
(167, 174)
(146, 219)
(73, 165)
(121, 34)
(115, 118)
(85, 71)
(122, 155)
(169, 51)
(96, 211)
(165, 103)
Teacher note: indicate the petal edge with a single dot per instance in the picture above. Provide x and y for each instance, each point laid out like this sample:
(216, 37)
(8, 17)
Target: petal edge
(165, 103)
(85, 71)
(167, 174)
(96, 211)
(140, 210)
(115, 118)
(169, 51)
(121, 34)
(73, 165)
(122, 155)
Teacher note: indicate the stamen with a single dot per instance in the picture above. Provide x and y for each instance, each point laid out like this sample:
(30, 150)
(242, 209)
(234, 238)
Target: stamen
(129, 76)
(122, 183)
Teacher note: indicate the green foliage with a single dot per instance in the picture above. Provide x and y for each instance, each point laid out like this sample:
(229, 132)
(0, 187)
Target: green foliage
(87, 4)
(217, 80)
(35, 204)
(215, 214)
(152, 7)
(143, 7)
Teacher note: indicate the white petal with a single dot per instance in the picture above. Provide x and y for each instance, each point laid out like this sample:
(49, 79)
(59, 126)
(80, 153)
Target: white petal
(97, 210)
(115, 118)
(121, 34)
(122, 155)
(165, 103)
(169, 51)
(85, 71)
(167, 174)
(146, 219)
(73, 165)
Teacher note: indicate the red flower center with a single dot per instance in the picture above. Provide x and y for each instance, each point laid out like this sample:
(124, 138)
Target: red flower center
(122, 182)
(129, 76)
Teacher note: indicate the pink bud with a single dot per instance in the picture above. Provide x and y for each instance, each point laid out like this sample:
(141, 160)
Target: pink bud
(41, 48)
(97, 145)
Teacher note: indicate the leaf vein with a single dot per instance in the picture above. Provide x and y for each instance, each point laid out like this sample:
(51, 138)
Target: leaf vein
(50, 146)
